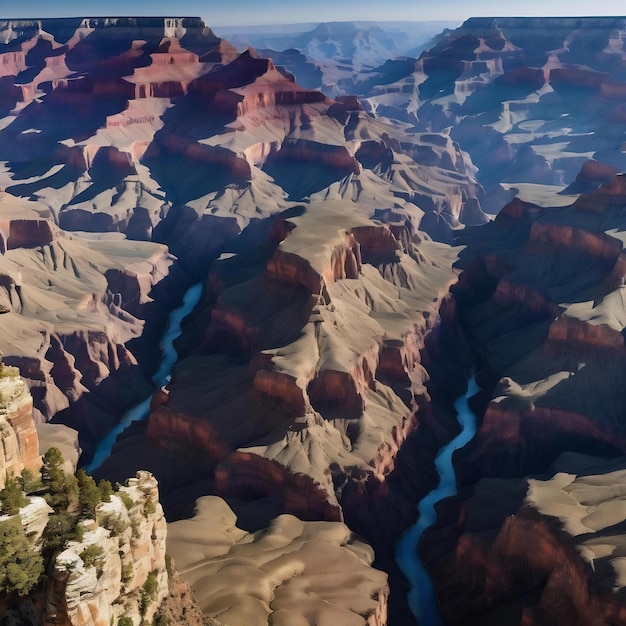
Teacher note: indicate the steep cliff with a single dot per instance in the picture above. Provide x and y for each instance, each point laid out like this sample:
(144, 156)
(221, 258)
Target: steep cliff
(546, 550)
(19, 447)
(75, 305)
(118, 568)
(540, 301)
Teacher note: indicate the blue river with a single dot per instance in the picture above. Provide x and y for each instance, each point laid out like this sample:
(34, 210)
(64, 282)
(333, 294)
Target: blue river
(168, 358)
(422, 600)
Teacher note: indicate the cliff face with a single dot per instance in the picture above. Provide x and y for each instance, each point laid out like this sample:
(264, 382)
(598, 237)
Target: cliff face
(118, 567)
(76, 303)
(128, 161)
(20, 445)
(540, 296)
(539, 301)
(553, 540)
(130, 531)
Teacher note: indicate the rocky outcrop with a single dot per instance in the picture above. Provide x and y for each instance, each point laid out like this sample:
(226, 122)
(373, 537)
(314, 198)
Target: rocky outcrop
(78, 301)
(598, 245)
(557, 548)
(19, 447)
(184, 430)
(126, 548)
(249, 476)
(255, 577)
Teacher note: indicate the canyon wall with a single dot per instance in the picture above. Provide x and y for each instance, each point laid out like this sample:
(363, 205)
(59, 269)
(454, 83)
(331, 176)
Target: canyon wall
(20, 445)
(130, 532)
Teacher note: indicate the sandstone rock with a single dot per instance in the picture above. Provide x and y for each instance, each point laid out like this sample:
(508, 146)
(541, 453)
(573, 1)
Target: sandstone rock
(291, 572)
(132, 542)
(20, 445)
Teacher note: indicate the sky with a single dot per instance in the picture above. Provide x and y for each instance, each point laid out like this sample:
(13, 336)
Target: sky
(249, 12)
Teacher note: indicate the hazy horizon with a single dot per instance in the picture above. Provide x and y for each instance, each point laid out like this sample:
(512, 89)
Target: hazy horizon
(251, 13)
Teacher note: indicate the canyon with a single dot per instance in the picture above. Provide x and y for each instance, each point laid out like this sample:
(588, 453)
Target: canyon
(359, 249)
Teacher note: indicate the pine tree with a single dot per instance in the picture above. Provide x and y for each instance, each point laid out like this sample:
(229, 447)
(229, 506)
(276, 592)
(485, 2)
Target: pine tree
(89, 495)
(21, 565)
(106, 490)
(63, 492)
(11, 497)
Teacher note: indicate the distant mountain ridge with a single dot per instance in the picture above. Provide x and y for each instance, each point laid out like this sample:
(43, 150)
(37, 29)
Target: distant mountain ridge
(333, 54)
(521, 95)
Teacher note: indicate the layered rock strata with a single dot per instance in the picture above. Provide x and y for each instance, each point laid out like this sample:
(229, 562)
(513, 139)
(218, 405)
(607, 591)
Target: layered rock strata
(75, 304)
(19, 444)
(518, 94)
(563, 533)
(540, 301)
(131, 532)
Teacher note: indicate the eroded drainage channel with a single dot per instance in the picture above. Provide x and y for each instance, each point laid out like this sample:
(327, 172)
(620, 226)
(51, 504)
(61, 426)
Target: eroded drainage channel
(422, 599)
(168, 359)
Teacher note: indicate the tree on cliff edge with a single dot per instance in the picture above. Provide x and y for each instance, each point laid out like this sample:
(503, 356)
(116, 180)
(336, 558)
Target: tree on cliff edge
(21, 565)
(11, 497)
(89, 496)
(62, 488)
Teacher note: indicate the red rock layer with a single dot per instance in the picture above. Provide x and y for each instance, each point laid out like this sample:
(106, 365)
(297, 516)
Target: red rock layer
(244, 475)
(531, 557)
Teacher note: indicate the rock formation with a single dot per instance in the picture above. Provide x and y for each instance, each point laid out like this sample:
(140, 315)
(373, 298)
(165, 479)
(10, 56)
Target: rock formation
(292, 572)
(540, 300)
(518, 94)
(317, 375)
(562, 532)
(130, 532)
(335, 56)
(19, 447)
(75, 302)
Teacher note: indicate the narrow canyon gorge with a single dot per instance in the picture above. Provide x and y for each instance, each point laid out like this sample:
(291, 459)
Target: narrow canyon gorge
(318, 328)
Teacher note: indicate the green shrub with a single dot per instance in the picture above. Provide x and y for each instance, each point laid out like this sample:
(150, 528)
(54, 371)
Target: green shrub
(149, 508)
(126, 499)
(125, 621)
(7, 371)
(30, 481)
(89, 496)
(148, 591)
(92, 557)
(127, 572)
(60, 528)
(106, 490)
(62, 489)
(151, 584)
(115, 524)
(11, 497)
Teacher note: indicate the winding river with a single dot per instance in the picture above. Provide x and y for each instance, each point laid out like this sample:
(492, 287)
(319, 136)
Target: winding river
(422, 600)
(168, 358)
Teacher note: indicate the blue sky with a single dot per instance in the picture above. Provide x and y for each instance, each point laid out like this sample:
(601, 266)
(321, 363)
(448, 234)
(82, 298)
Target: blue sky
(233, 12)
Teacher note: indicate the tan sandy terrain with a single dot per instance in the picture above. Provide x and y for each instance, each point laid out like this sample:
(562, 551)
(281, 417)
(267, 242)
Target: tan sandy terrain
(291, 573)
